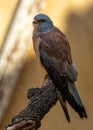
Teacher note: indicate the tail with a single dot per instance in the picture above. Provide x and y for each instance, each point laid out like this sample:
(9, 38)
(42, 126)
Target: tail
(74, 100)
(63, 104)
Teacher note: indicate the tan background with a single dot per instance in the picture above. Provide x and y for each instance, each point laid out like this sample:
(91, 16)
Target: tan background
(75, 18)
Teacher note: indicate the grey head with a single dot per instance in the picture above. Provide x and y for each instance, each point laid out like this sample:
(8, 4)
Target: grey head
(42, 23)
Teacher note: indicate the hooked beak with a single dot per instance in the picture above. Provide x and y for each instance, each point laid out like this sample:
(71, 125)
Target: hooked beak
(35, 23)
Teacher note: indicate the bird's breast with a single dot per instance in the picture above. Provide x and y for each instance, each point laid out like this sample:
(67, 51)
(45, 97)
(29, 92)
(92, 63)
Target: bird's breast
(36, 45)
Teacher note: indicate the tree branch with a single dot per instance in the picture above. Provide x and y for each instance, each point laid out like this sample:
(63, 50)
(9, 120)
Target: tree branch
(41, 100)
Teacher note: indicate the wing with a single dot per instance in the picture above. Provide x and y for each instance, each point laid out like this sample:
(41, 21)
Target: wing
(56, 78)
(56, 46)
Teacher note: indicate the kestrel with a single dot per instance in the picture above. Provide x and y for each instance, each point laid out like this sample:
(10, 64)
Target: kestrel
(53, 50)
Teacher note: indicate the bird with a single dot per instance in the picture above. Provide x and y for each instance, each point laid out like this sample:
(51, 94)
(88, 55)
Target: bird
(53, 50)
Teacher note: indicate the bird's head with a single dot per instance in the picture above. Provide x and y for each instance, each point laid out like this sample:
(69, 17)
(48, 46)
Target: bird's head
(42, 23)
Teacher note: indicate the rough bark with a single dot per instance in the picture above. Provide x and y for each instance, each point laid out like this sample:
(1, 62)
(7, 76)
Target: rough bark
(41, 100)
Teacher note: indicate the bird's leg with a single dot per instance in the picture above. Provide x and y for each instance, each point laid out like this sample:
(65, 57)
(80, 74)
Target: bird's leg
(45, 77)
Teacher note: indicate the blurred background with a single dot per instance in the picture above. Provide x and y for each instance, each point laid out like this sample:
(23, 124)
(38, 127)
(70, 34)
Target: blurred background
(75, 19)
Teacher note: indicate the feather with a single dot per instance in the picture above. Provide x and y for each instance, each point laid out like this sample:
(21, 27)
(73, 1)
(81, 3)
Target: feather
(74, 100)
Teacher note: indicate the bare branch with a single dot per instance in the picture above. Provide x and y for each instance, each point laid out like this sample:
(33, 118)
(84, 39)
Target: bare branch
(41, 100)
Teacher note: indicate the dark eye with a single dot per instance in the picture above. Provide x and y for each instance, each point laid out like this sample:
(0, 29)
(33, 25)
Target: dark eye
(41, 21)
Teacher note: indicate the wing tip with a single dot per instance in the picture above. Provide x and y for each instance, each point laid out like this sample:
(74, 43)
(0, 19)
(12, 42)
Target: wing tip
(68, 119)
(83, 113)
